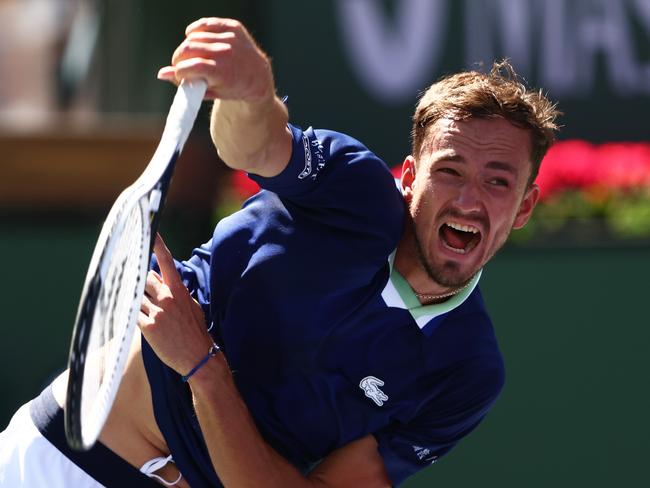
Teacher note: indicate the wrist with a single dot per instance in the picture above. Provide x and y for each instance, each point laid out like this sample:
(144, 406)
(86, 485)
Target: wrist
(256, 109)
(212, 351)
(262, 85)
(212, 375)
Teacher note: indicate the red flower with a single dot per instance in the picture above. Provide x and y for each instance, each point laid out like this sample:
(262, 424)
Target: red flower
(580, 165)
(624, 165)
(568, 164)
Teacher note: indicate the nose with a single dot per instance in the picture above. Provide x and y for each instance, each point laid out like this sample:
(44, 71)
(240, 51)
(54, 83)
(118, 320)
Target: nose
(468, 199)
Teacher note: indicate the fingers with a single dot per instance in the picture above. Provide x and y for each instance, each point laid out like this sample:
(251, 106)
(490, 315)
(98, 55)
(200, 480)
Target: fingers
(211, 37)
(213, 24)
(143, 320)
(208, 39)
(223, 53)
(168, 73)
(168, 270)
(202, 63)
(189, 72)
(147, 306)
(191, 48)
(202, 55)
(153, 284)
(207, 46)
(211, 94)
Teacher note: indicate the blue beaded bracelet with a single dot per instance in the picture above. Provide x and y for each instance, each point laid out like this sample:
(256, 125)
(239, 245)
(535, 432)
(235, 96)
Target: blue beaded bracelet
(213, 351)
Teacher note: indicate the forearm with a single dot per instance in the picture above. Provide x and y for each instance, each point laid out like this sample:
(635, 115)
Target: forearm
(249, 123)
(252, 135)
(238, 452)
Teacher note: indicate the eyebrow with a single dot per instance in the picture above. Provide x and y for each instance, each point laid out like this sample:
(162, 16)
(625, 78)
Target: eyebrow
(498, 165)
(502, 166)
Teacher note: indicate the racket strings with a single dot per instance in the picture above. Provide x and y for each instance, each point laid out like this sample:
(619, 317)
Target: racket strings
(118, 302)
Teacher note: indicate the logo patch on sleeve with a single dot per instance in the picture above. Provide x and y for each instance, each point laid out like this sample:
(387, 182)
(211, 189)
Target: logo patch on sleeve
(314, 158)
(307, 171)
(370, 386)
(423, 454)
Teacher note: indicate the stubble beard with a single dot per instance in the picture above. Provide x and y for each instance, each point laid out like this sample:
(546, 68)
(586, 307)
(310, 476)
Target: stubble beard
(445, 275)
(448, 274)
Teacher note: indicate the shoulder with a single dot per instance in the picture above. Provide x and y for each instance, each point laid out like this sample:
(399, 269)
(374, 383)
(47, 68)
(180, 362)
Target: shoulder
(336, 180)
(321, 158)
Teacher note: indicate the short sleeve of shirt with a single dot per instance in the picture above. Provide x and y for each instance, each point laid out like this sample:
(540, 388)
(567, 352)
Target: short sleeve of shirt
(333, 172)
(408, 448)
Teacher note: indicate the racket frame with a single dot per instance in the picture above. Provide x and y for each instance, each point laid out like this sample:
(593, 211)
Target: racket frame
(148, 193)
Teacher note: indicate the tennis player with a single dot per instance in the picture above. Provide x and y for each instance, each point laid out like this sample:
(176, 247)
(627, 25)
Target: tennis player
(332, 332)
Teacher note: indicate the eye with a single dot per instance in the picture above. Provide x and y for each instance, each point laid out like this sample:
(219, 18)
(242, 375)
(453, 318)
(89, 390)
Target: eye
(449, 171)
(499, 182)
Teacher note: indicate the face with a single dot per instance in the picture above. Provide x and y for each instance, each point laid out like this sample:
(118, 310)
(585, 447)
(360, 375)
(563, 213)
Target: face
(466, 191)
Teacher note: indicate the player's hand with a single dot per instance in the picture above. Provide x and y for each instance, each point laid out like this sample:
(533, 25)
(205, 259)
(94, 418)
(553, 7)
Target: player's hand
(170, 319)
(223, 53)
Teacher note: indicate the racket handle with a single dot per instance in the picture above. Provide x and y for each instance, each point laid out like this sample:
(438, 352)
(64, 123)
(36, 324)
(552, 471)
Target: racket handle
(184, 109)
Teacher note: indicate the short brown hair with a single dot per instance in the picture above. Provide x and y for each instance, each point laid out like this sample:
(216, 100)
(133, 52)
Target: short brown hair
(499, 93)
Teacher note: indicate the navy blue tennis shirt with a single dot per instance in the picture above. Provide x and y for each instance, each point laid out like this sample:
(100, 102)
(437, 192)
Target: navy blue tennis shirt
(326, 341)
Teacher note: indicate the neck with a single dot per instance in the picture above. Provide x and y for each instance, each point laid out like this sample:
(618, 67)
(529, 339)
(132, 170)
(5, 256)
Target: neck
(408, 264)
(426, 299)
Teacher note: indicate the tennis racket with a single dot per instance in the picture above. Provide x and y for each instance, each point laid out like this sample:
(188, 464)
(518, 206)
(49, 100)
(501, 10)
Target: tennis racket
(114, 285)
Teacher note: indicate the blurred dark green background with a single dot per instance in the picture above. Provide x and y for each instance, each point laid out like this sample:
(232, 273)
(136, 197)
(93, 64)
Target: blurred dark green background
(569, 312)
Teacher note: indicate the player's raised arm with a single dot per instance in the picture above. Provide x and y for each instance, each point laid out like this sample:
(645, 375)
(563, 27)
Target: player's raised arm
(249, 122)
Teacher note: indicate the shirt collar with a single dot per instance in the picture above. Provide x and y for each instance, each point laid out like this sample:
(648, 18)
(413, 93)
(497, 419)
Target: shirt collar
(399, 294)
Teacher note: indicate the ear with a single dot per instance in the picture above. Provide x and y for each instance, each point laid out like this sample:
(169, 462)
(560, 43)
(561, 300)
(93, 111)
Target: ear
(408, 177)
(526, 207)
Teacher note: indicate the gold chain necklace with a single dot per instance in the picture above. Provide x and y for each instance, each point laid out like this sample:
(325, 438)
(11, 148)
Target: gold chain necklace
(427, 297)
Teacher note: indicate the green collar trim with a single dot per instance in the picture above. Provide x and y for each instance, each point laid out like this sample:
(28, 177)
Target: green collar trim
(398, 293)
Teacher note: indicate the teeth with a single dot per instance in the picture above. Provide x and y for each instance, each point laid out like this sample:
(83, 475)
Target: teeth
(463, 228)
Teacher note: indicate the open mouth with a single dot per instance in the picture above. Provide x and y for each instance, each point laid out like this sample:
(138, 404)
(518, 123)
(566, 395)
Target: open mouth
(459, 238)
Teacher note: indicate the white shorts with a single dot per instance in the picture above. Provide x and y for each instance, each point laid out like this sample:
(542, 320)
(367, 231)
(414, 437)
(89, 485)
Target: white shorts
(29, 459)
(34, 454)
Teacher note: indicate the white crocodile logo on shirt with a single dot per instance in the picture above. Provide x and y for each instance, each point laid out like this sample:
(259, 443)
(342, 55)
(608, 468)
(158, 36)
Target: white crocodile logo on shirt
(370, 385)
